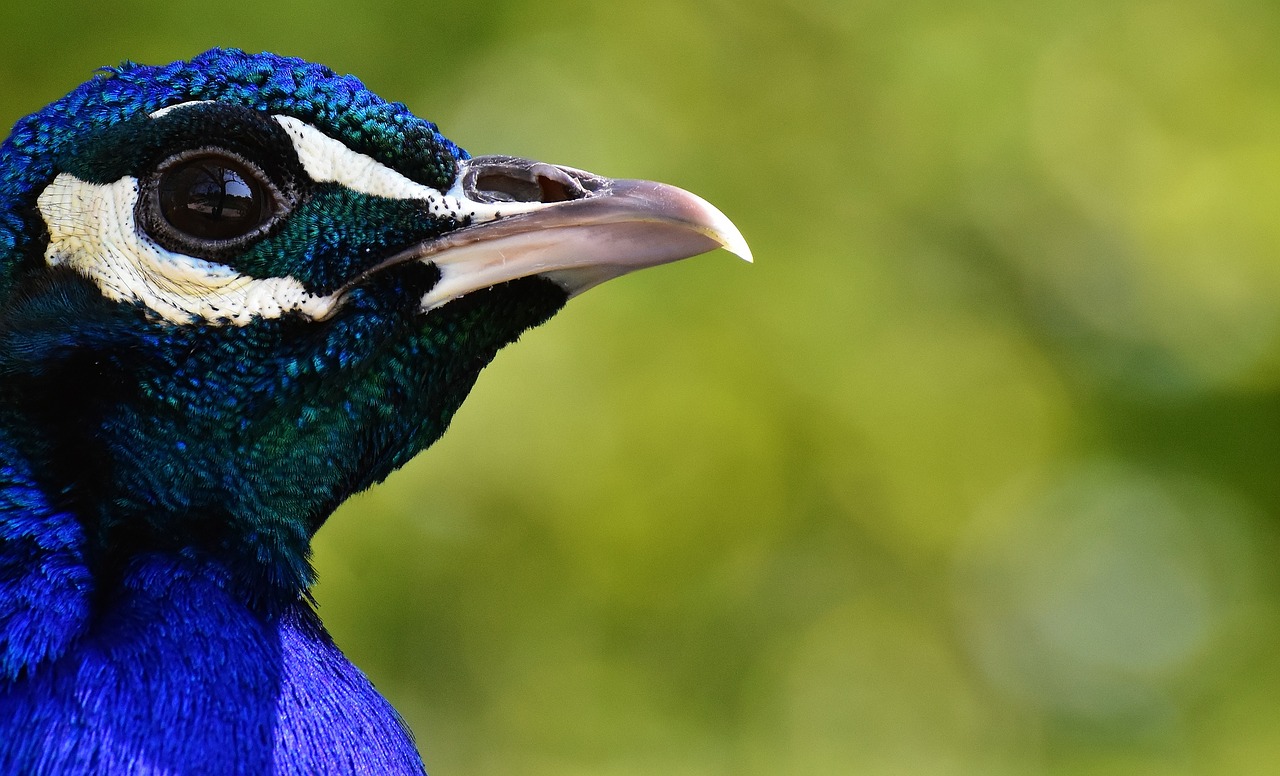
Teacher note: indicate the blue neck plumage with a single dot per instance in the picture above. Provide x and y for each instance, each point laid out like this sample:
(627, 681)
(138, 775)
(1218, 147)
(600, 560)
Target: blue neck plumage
(176, 676)
(177, 438)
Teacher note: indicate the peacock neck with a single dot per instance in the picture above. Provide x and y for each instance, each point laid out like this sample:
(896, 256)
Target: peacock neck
(173, 672)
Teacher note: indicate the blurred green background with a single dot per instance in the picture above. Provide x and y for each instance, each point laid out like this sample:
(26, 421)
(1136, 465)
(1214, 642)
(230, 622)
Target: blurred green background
(974, 472)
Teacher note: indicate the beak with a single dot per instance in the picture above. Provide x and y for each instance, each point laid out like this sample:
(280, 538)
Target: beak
(572, 227)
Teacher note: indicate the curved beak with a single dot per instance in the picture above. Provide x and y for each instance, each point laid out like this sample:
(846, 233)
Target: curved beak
(572, 227)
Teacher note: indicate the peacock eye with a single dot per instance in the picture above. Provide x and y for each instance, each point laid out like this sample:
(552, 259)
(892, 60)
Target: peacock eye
(209, 202)
(213, 198)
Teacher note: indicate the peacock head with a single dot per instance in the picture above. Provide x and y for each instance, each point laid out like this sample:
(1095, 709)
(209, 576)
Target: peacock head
(237, 289)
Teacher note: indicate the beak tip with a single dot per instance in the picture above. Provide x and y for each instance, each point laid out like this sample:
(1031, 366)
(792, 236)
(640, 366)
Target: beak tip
(722, 230)
(736, 244)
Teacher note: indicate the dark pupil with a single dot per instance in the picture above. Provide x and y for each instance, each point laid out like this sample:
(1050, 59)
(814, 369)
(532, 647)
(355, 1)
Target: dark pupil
(212, 198)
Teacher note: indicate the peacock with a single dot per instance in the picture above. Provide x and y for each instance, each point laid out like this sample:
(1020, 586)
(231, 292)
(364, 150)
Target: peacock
(235, 290)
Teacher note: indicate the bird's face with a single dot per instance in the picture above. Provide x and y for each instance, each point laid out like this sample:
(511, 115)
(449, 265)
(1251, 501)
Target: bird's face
(238, 289)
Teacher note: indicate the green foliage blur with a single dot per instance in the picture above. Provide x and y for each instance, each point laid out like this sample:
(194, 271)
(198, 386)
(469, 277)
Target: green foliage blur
(973, 472)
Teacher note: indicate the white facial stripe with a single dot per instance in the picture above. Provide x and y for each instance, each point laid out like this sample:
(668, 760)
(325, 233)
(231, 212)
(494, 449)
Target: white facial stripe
(92, 229)
(170, 108)
(327, 160)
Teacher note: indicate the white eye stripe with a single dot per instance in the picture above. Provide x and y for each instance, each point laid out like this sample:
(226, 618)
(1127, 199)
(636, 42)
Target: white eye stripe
(327, 160)
(170, 108)
(92, 228)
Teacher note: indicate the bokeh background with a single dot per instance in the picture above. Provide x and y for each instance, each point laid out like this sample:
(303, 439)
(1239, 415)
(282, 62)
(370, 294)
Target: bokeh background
(973, 472)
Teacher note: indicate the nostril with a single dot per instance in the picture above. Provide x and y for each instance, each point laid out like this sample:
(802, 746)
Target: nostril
(553, 190)
(498, 187)
(556, 184)
(508, 179)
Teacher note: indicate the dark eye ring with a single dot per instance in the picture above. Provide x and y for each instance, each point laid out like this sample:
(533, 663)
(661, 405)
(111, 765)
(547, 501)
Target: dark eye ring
(209, 202)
